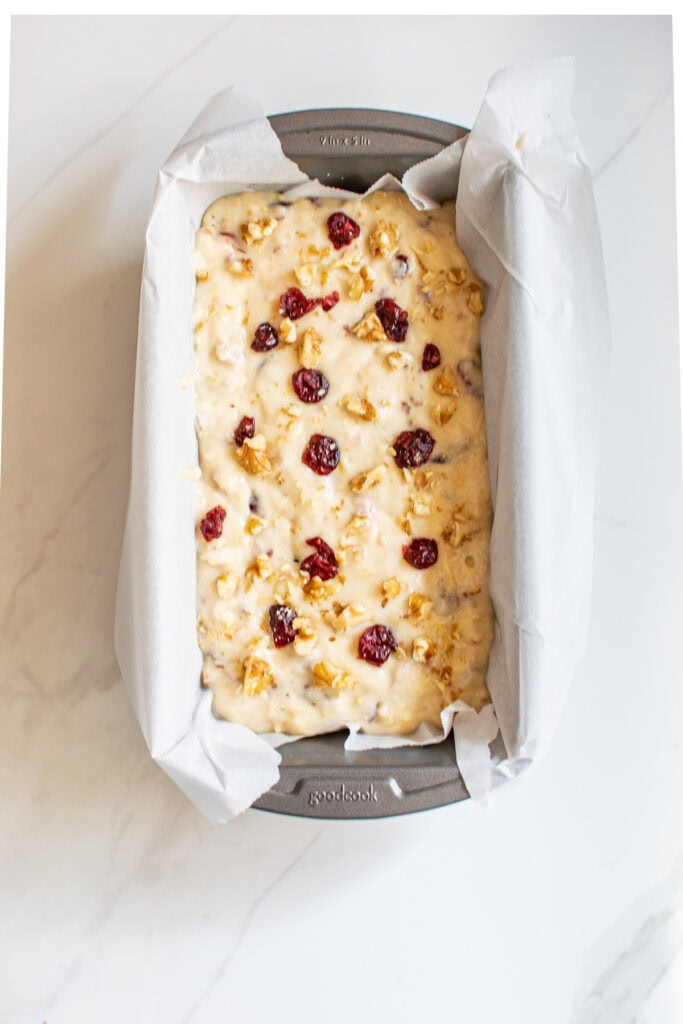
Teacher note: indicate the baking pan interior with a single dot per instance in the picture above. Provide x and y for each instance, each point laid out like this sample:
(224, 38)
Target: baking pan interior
(351, 149)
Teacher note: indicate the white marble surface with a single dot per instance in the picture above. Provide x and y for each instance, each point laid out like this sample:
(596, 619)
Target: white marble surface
(563, 902)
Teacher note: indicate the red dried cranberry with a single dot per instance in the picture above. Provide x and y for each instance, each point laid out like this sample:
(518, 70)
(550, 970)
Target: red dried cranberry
(413, 448)
(212, 523)
(265, 338)
(310, 385)
(375, 644)
(294, 304)
(253, 502)
(341, 229)
(421, 552)
(321, 454)
(323, 563)
(245, 428)
(281, 617)
(431, 357)
(394, 320)
(329, 301)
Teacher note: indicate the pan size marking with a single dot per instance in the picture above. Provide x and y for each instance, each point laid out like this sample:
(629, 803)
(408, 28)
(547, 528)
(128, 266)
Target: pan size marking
(344, 141)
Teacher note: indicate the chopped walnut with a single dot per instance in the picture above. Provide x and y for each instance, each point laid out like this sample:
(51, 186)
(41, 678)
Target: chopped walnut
(399, 360)
(391, 588)
(321, 590)
(457, 275)
(443, 413)
(326, 674)
(369, 328)
(370, 478)
(202, 275)
(360, 407)
(306, 638)
(419, 606)
(446, 383)
(436, 311)
(241, 268)
(258, 676)
(287, 331)
(252, 456)
(261, 569)
(226, 585)
(349, 261)
(423, 479)
(361, 283)
(257, 230)
(254, 525)
(420, 505)
(383, 239)
(343, 617)
(475, 301)
(423, 649)
(306, 274)
(310, 348)
(455, 533)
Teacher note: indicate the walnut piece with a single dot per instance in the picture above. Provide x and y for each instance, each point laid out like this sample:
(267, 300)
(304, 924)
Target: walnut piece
(306, 637)
(287, 331)
(310, 348)
(258, 676)
(361, 283)
(254, 525)
(359, 407)
(327, 674)
(446, 383)
(391, 588)
(423, 649)
(241, 268)
(442, 414)
(383, 239)
(306, 274)
(369, 328)
(399, 360)
(252, 456)
(226, 585)
(321, 590)
(419, 606)
(370, 478)
(475, 301)
(257, 230)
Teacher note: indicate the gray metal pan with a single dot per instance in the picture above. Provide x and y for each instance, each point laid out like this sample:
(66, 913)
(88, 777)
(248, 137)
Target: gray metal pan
(351, 149)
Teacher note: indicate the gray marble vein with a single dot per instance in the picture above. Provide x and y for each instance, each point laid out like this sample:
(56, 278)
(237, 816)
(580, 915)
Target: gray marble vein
(224, 965)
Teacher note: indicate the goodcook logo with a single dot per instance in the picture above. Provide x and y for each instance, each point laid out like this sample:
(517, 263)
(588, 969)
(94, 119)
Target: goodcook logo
(330, 796)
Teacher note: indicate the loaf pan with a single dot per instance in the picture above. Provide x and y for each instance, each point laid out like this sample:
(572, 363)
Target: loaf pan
(351, 149)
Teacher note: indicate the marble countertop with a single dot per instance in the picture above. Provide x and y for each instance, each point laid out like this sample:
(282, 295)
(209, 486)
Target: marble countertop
(563, 901)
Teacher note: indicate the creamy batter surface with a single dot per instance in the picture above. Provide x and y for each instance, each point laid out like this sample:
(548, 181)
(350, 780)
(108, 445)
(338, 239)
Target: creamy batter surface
(344, 512)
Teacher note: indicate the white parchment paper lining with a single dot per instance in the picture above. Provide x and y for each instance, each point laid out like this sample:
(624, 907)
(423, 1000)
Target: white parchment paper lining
(526, 220)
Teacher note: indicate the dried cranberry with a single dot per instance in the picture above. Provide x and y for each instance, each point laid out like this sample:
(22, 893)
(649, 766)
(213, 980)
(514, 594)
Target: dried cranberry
(341, 229)
(394, 320)
(294, 304)
(329, 301)
(310, 385)
(321, 454)
(323, 563)
(375, 644)
(413, 448)
(421, 552)
(265, 338)
(281, 618)
(212, 523)
(431, 357)
(245, 428)
(253, 502)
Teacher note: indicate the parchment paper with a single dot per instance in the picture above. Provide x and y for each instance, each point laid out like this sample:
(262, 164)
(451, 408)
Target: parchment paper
(525, 218)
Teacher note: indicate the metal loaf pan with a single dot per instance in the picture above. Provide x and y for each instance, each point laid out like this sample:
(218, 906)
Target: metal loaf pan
(351, 149)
